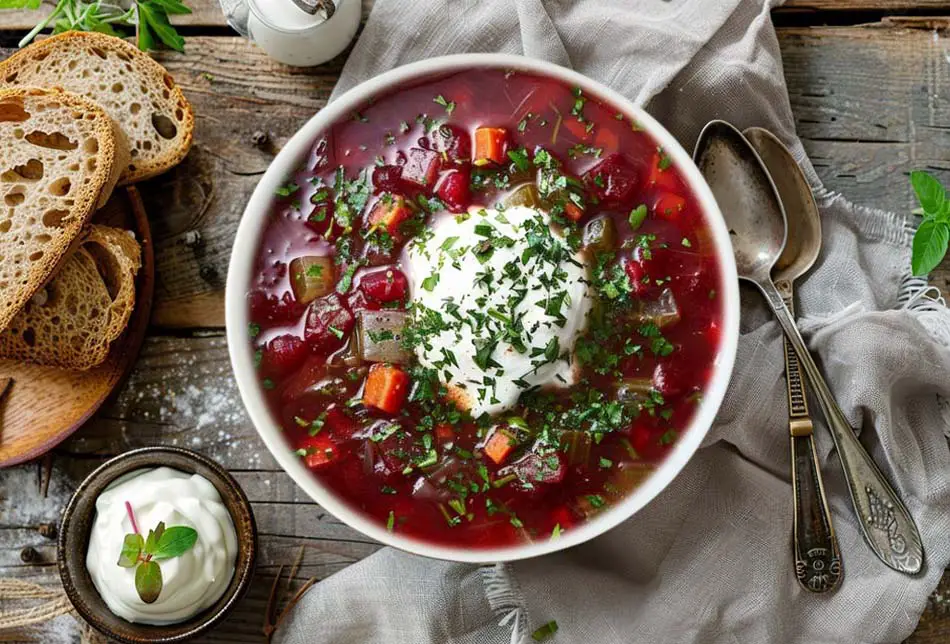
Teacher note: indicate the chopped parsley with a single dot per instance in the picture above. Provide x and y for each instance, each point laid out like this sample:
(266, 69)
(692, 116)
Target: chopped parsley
(448, 105)
(287, 189)
(545, 632)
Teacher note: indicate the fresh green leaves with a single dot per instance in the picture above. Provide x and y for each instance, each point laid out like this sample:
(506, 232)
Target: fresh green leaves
(174, 542)
(148, 581)
(132, 547)
(933, 234)
(143, 554)
(149, 18)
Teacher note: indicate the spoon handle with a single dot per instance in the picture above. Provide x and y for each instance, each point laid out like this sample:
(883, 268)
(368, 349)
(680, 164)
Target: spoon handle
(887, 525)
(817, 556)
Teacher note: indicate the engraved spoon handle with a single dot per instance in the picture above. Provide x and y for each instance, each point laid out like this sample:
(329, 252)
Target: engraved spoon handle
(887, 525)
(817, 556)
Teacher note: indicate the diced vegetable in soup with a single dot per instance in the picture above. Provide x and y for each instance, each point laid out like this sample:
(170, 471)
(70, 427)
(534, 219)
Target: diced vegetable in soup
(485, 308)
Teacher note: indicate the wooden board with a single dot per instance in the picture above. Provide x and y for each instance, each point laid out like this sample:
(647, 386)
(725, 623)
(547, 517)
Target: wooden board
(871, 102)
(44, 405)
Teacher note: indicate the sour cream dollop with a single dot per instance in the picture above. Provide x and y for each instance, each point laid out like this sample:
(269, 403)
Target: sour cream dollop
(191, 582)
(499, 301)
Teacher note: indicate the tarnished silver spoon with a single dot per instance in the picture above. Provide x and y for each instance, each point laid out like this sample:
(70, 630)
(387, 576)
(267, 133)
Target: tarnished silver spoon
(756, 221)
(816, 553)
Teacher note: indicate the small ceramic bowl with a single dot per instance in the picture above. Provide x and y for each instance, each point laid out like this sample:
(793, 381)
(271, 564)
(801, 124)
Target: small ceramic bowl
(78, 521)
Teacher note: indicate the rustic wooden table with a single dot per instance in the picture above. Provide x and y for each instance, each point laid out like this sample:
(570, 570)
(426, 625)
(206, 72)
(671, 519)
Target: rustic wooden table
(870, 87)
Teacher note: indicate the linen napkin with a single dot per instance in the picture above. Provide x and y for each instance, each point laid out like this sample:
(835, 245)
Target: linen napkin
(709, 560)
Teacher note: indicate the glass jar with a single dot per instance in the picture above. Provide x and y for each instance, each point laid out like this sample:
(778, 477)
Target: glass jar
(292, 36)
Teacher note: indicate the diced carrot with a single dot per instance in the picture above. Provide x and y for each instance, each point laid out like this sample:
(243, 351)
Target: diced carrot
(668, 206)
(490, 144)
(500, 444)
(578, 129)
(318, 451)
(572, 211)
(444, 432)
(660, 174)
(386, 388)
(389, 213)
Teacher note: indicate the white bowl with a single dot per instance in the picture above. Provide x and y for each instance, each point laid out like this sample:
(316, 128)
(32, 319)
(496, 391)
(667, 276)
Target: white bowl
(245, 252)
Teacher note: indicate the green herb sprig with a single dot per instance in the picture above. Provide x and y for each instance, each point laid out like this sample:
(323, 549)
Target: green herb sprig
(144, 553)
(933, 235)
(149, 19)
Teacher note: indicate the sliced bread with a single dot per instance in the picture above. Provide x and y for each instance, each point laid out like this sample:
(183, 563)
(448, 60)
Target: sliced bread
(60, 157)
(73, 320)
(135, 90)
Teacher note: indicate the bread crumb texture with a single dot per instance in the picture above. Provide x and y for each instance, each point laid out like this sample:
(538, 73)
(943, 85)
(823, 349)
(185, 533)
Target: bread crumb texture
(57, 158)
(137, 92)
(73, 320)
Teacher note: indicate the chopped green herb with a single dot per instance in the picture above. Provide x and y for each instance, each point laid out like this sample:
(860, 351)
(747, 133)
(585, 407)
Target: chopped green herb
(391, 521)
(253, 329)
(448, 105)
(545, 632)
(637, 216)
(287, 189)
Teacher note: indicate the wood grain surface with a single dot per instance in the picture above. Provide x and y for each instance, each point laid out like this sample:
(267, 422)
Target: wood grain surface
(871, 103)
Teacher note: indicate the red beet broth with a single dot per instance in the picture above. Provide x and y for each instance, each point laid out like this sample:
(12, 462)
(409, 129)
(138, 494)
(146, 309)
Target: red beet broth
(421, 157)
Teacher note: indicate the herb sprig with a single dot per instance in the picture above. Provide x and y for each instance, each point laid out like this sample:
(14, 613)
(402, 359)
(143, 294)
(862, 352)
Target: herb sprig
(144, 553)
(933, 234)
(149, 19)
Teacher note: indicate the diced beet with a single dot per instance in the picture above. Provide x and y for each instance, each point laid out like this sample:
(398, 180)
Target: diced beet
(389, 285)
(453, 189)
(614, 180)
(641, 284)
(535, 469)
(268, 308)
(282, 355)
(294, 388)
(320, 218)
(453, 141)
(399, 450)
(646, 438)
(387, 178)
(357, 301)
(671, 378)
(340, 425)
(422, 168)
(328, 323)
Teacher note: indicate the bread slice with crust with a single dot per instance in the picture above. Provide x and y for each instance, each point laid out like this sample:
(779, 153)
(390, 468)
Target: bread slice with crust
(73, 320)
(137, 92)
(60, 157)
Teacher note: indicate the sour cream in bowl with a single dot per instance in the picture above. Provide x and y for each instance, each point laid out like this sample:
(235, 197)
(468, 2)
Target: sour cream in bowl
(157, 545)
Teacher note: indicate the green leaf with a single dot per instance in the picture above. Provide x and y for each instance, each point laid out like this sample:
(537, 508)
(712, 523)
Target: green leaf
(175, 542)
(151, 542)
(131, 550)
(930, 193)
(20, 4)
(172, 7)
(148, 581)
(158, 21)
(930, 246)
(145, 39)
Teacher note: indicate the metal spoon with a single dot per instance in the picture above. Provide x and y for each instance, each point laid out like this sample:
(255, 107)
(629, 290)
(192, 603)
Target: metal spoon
(817, 556)
(756, 221)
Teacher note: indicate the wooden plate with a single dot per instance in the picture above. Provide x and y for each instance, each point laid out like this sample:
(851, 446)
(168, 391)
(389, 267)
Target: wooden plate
(44, 405)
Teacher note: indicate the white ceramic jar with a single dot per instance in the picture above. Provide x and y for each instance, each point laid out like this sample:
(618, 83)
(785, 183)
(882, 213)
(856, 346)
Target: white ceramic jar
(293, 37)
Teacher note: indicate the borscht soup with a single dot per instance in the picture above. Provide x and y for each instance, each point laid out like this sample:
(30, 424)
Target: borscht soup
(484, 308)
